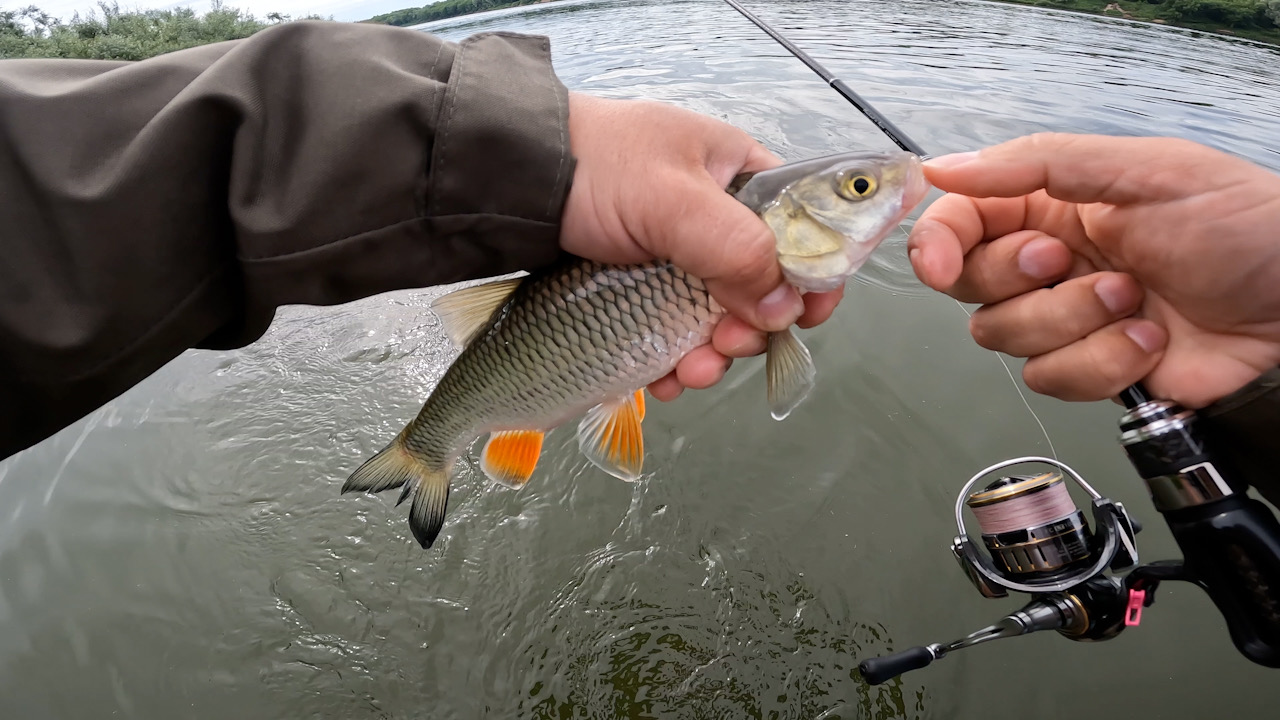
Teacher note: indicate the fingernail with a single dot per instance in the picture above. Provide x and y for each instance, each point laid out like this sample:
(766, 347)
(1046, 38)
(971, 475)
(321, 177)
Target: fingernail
(951, 161)
(1115, 293)
(915, 255)
(781, 308)
(1036, 259)
(1147, 335)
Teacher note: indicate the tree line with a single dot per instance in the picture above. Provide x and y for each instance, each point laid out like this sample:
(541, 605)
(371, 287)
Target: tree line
(119, 35)
(112, 34)
(1259, 19)
(445, 9)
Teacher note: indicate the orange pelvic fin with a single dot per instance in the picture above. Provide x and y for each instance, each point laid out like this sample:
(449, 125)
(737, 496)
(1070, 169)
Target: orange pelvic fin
(509, 457)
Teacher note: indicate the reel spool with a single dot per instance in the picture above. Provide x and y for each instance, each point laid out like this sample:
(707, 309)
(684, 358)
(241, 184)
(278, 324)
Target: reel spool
(1034, 537)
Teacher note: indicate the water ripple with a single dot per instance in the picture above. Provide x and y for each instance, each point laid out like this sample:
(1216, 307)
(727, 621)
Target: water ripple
(194, 557)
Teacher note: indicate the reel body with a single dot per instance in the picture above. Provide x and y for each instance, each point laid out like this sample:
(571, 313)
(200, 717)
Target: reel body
(1083, 579)
(1043, 553)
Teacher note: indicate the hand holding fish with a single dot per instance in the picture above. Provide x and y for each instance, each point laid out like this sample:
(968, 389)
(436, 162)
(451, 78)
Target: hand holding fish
(660, 260)
(662, 194)
(1108, 260)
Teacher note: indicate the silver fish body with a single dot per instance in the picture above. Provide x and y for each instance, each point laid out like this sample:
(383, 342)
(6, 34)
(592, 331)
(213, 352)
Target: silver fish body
(583, 339)
(566, 340)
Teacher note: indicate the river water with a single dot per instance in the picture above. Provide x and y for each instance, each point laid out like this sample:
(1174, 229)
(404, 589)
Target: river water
(184, 552)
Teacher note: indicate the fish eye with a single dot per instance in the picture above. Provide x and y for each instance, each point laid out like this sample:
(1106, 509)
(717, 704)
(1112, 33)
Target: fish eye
(857, 186)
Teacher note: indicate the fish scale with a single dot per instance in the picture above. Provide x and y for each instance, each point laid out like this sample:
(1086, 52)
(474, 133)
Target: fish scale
(583, 338)
(542, 362)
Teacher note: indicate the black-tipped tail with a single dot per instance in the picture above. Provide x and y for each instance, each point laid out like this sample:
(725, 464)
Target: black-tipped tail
(395, 467)
(426, 514)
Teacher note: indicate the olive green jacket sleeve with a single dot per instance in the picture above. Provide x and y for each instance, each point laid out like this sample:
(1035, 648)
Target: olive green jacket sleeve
(151, 207)
(1246, 425)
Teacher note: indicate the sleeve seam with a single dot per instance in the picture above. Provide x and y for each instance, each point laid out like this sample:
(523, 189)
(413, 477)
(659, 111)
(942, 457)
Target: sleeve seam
(362, 235)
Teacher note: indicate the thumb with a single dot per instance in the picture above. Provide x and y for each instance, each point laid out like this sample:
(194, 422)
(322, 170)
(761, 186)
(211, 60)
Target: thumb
(724, 243)
(1084, 169)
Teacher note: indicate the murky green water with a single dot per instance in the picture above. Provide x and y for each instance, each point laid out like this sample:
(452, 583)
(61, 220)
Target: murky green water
(184, 552)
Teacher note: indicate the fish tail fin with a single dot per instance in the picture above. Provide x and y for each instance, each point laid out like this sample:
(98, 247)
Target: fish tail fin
(387, 470)
(789, 373)
(394, 466)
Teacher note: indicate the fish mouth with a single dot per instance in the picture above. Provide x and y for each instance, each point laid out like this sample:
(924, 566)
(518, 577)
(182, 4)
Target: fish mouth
(917, 185)
(820, 273)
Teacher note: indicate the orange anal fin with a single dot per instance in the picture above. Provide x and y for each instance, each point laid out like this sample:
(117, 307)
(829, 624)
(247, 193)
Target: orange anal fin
(640, 403)
(610, 436)
(510, 457)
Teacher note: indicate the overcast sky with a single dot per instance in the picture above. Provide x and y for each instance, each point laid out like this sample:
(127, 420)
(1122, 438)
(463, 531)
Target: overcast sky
(339, 9)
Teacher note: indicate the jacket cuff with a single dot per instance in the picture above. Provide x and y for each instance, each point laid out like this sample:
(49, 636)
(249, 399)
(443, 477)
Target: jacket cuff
(499, 152)
(1244, 425)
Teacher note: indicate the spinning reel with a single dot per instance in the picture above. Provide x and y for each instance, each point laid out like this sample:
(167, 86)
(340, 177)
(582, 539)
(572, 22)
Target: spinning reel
(1035, 541)
(1084, 580)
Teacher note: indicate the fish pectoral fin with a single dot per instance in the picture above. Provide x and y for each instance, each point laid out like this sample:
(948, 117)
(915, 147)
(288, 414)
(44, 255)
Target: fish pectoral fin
(789, 372)
(610, 436)
(394, 467)
(509, 457)
(465, 312)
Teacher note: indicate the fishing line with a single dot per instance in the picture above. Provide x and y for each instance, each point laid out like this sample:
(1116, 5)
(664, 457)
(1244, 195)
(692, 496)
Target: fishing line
(1053, 453)
(1132, 396)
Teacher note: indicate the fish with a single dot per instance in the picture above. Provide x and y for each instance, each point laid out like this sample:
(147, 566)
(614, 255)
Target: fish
(582, 339)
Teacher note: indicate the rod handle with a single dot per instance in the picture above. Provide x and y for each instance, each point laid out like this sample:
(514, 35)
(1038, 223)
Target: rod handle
(880, 669)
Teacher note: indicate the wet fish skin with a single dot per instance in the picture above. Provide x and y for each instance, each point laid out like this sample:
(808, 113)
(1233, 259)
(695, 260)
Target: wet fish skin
(566, 340)
(583, 338)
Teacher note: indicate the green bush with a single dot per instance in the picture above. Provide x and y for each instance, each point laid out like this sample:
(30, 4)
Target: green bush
(1273, 11)
(442, 10)
(1231, 13)
(118, 35)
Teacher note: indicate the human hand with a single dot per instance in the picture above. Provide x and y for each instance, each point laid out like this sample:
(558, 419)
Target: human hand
(1164, 252)
(650, 182)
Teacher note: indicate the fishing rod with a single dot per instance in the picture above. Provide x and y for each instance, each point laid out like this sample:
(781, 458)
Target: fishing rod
(1085, 582)
(888, 128)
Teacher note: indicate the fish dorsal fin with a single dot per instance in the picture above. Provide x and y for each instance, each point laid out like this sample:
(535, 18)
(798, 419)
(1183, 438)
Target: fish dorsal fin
(789, 373)
(509, 457)
(610, 436)
(464, 312)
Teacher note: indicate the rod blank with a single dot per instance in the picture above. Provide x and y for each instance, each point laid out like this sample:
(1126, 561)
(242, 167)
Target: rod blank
(888, 128)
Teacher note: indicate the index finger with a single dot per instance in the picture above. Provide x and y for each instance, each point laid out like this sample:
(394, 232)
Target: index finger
(1085, 169)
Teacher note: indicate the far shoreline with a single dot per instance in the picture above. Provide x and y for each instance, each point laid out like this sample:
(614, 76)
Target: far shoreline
(1137, 11)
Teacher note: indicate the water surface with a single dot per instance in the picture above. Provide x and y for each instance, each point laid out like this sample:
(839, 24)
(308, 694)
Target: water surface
(184, 552)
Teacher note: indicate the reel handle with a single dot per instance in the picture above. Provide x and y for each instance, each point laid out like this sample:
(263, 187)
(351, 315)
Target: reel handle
(877, 670)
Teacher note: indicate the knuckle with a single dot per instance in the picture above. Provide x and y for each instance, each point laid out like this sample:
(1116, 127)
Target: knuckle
(1110, 362)
(1037, 380)
(750, 254)
(1051, 140)
(980, 328)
